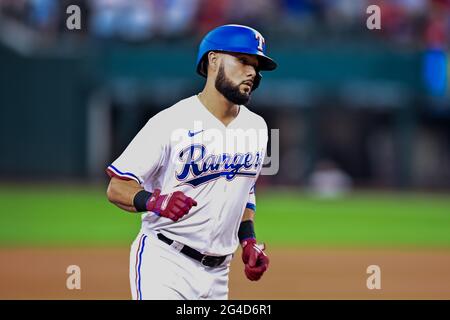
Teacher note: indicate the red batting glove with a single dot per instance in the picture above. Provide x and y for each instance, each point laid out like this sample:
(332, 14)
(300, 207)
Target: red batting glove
(255, 260)
(173, 205)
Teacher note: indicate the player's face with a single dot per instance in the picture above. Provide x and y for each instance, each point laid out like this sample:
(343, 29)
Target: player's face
(235, 77)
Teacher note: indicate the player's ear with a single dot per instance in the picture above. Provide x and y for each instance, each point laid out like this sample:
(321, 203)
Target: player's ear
(213, 61)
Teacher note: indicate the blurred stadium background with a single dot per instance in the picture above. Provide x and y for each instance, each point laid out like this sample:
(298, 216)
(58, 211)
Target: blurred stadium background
(364, 119)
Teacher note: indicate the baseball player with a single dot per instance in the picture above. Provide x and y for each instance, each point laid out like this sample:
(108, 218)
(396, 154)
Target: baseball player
(194, 186)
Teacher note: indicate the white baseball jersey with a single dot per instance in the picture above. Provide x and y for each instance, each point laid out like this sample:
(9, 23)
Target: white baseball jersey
(186, 148)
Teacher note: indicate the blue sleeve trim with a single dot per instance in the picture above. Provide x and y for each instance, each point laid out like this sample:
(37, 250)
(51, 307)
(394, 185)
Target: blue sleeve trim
(124, 174)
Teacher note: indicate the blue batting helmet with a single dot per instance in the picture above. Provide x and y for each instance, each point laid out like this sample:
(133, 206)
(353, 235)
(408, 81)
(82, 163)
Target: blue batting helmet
(239, 39)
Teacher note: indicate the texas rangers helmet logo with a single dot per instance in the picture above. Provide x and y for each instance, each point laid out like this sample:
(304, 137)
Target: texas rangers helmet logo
(204, 168)
(261, 41)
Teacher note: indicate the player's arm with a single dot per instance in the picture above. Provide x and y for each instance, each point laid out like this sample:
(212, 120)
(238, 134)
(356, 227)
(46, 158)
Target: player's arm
(130, 196)
(246, 228)
(253, 255)
(249, 214)
(122, 193)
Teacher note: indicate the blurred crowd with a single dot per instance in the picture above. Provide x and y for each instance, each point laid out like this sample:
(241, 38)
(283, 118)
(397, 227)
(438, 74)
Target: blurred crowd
(404, 21)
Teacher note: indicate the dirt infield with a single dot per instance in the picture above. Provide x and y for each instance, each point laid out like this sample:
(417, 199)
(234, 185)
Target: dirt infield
(293, 274)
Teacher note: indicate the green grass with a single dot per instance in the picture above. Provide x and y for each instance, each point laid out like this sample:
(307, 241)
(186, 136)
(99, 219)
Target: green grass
(62, 216)
(359, 220)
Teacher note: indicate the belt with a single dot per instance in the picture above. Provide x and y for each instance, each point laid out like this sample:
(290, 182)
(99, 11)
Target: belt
(209, 261)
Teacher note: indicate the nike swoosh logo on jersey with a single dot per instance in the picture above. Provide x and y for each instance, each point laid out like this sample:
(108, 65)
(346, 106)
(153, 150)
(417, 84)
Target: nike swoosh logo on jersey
(191, 133)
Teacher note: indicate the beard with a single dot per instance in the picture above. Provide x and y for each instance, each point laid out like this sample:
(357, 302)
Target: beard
(230, 91)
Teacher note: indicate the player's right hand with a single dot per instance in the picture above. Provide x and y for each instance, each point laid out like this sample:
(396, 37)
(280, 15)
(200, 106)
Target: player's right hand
(173, 205)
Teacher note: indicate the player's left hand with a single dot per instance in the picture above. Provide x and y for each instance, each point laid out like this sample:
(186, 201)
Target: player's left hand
(255, 259)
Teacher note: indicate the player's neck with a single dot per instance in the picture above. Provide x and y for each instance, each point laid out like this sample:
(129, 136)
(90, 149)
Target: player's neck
(218, 105)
